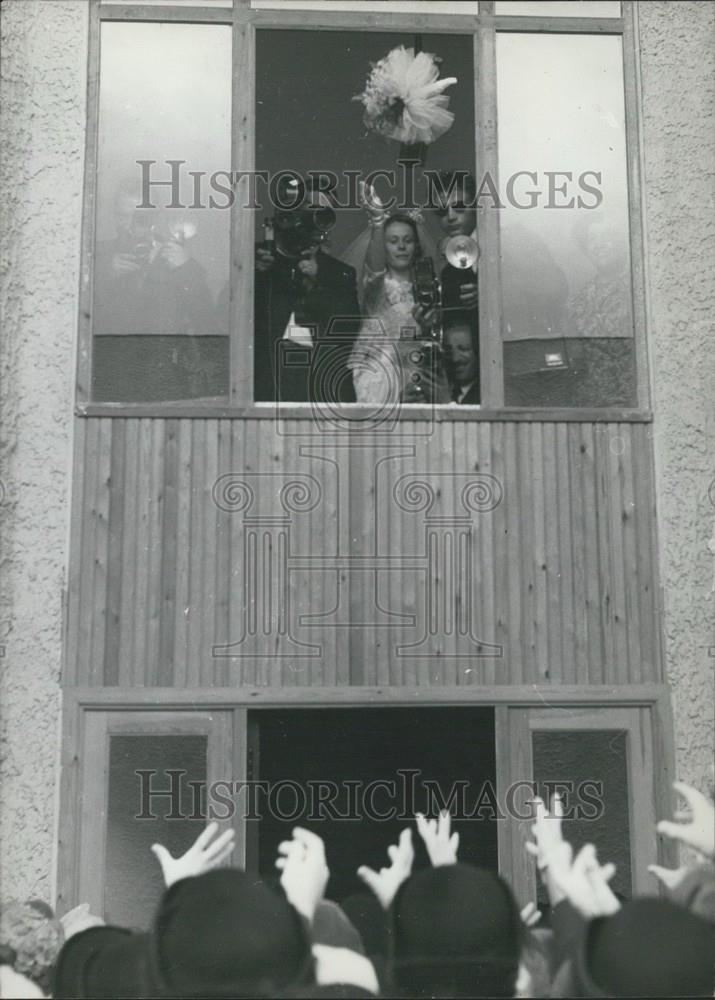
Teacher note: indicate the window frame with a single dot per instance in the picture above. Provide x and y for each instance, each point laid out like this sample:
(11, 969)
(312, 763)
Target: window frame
(223, 713)
(483, 26)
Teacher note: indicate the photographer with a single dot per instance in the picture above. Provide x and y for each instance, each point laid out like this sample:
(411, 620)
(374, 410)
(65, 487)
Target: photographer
(457, 214)
(306, 308)
(147, 282)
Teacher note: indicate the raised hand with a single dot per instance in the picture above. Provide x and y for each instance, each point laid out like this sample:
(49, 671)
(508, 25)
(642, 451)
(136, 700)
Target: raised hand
(549, 845)
(584, 882)
(371, 203)
(441, 847)
(204, 854)
(308, 264)
(670, 877)
(546, 830)
(174, 254)
(694, 826)
(125, 263)
(387, 881)
(305, 871)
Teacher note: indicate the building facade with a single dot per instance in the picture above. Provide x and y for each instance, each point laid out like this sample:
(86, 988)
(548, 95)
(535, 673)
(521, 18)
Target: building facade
(195, 571)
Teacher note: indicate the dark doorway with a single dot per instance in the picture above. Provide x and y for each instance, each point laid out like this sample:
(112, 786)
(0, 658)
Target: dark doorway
(357, 776)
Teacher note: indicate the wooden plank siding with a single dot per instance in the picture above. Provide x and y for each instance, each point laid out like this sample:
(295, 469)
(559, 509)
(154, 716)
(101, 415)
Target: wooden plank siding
(231, 553)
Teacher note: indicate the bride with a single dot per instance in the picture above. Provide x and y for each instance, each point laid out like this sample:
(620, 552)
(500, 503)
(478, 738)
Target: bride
(380, 376)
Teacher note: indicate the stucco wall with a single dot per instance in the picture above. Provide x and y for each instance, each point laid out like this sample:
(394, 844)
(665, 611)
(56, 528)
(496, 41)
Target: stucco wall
(678, 81)
(43, 122)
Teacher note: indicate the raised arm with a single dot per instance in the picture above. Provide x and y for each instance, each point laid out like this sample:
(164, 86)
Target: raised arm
(375, 255)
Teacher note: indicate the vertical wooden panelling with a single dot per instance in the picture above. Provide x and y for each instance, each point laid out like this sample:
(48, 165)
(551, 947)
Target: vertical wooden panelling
(499, 446)
(651, 656)
(169, 528)
(562, 577)
(615, 526)
(115, 526)
(100, 515)
(513, 569)
(179, 615)
(206, 569)
(554, 558)
(564, 567)
(485, 549)
(594, 579)
(194, 613)
(222, 567)
(234, 666)
(132, 489)
(155, 546)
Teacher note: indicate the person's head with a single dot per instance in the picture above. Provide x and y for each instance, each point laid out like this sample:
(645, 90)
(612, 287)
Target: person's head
(224, 934)
(651, 947)
(456, 203)
(456, 932)
(402, 243)
(32, 932)
(599, 239)
(461, 352)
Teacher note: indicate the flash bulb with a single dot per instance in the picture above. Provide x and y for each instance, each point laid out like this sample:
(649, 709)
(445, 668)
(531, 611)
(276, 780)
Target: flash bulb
(462, 252)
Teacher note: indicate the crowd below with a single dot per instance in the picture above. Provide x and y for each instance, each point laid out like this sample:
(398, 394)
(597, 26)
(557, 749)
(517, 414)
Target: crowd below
(449, 930)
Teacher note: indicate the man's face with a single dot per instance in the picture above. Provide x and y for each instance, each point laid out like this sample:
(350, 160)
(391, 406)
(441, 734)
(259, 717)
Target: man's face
(454, 217)
(460, 351)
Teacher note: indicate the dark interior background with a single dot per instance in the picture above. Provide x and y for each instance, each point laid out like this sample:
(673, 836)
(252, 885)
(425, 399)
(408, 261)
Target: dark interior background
(306, 118)
(369, 744)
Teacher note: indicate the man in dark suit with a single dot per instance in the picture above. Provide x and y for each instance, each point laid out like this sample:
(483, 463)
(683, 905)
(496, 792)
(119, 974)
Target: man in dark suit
(462, 357)
(306, 320)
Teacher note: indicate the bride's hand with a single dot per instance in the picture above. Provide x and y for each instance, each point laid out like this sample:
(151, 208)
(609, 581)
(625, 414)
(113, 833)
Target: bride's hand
(371, 202)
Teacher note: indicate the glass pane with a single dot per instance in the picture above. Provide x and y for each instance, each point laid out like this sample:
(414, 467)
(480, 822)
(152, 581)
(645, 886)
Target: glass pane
(136, 818)
(307, 81)
(559, 8)
(594, 766)
(160, 314)
(567, 309)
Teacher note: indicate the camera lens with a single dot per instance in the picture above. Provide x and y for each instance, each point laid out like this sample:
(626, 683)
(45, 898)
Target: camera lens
(323, 219)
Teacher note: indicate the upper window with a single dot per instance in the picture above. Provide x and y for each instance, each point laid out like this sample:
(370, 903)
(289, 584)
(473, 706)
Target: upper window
(161, 268)
(329, 215)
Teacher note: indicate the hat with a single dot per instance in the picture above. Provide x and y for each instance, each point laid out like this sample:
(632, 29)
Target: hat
(224, 934)
(332, 926)
(457, 931)
(650, 947)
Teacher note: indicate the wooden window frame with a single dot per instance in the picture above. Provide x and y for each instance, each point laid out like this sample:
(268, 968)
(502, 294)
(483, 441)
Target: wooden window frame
(484, 26)
(90, 715)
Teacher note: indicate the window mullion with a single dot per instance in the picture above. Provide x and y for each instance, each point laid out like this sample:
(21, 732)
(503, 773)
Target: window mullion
(243, 149)
(485, 103)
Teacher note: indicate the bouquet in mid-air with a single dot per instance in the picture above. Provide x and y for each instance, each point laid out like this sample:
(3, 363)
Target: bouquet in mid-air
(404, 98)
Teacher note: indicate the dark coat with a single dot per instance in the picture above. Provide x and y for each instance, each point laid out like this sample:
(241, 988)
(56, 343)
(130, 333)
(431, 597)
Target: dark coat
(473, 397)
(289, 372)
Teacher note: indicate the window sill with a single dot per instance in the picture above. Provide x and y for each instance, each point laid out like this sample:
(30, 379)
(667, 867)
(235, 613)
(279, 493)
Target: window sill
(327, 418)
